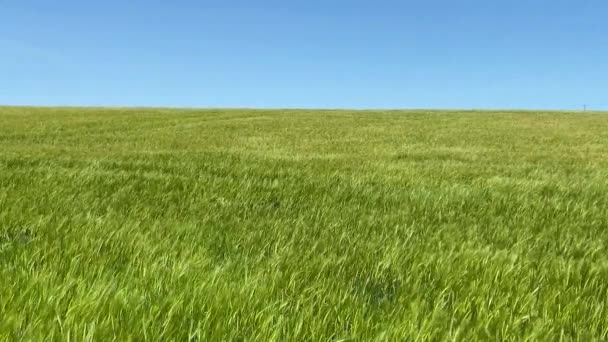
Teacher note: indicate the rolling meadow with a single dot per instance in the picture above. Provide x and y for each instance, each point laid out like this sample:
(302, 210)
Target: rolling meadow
(302, 225)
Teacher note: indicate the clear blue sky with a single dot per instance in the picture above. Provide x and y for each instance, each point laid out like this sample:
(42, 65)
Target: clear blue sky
(306, 53)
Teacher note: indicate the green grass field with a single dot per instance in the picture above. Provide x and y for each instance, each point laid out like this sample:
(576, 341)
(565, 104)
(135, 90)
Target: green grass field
(256, 225)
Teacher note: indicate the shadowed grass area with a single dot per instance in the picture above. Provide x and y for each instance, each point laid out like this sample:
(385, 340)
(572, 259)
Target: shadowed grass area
(282, 225)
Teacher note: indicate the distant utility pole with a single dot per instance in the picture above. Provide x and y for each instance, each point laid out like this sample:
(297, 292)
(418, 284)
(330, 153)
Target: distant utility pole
(584, 108)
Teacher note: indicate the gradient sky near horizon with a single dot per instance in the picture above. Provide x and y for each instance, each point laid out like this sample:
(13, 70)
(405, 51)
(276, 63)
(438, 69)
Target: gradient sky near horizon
(520, 54)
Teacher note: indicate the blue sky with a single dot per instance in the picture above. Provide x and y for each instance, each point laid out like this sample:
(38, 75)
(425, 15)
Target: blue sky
(526, 54)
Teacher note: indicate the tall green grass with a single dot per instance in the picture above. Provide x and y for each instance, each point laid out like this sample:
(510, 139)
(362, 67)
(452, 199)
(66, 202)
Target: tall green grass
(133, 224)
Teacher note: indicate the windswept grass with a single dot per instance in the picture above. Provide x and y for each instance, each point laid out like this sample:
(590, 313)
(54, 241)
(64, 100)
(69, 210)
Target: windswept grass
(302, 225)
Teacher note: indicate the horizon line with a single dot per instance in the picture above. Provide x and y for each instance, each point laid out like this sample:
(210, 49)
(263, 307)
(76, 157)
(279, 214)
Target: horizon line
(587, 110)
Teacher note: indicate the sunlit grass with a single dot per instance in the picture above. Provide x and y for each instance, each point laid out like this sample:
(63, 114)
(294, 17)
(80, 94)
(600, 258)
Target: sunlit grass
(302, 225)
